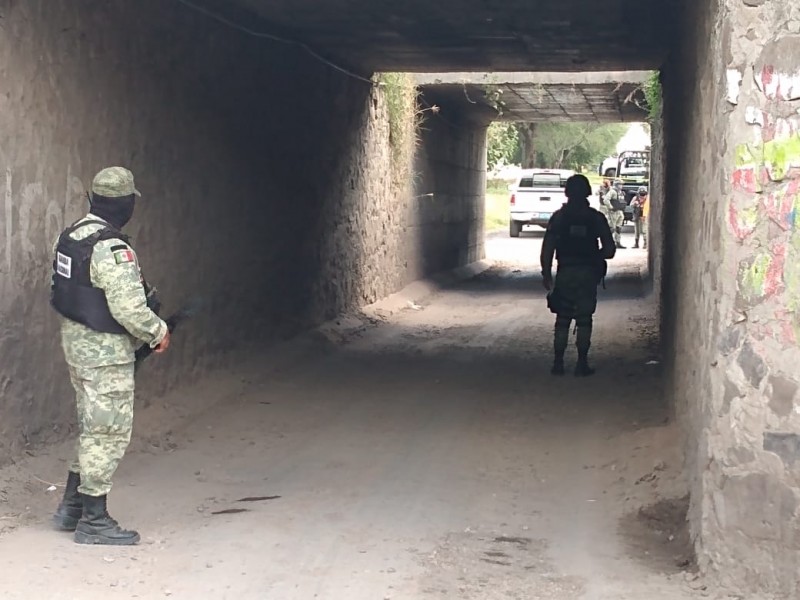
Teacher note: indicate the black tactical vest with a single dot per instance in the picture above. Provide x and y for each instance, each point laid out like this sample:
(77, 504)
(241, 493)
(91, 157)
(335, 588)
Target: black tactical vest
(577, 238)
(619, 203)
(73, 294)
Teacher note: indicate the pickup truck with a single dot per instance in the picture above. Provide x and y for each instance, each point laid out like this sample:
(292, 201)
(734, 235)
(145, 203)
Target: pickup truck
(536, 195)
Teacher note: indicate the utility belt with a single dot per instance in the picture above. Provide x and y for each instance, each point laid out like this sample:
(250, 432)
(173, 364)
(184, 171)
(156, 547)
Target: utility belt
(600, 264)
(576, 261)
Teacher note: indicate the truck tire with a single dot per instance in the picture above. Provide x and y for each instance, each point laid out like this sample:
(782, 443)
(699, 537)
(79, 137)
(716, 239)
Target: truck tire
(514, 228)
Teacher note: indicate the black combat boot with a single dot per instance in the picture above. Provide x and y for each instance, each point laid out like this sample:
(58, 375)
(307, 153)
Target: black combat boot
(582, 368)
(97, 527)
(70, 510)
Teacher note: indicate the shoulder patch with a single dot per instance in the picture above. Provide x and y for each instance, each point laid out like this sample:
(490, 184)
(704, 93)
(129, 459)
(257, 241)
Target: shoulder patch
(119, 247)
(124, 255)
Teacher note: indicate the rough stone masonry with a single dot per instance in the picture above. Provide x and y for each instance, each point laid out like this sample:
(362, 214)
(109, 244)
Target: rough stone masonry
(732, 287)
(267, 183)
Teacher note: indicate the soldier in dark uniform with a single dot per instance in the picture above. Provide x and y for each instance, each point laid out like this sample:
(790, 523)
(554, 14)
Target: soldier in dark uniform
(572, 237)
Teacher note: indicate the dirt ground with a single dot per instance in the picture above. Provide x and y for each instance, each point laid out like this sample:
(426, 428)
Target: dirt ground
(403, 454)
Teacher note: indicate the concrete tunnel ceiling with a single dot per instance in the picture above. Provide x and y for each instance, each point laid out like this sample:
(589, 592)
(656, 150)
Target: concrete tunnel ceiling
(548, 97)
(468, 35)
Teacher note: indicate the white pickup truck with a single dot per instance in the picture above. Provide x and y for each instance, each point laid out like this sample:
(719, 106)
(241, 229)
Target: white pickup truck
(536, 195)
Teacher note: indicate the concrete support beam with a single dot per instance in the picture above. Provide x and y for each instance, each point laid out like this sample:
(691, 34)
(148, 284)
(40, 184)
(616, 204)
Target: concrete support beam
(550, 97)
(479, 35)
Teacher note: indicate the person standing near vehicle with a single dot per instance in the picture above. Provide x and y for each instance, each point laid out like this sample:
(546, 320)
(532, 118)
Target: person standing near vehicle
(641, 211)
(106, 312)
(572, 237)
(601, 192)
(614, 201)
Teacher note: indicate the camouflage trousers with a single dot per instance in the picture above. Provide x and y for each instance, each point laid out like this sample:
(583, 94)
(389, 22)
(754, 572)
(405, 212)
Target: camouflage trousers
(615, 220)
(577, 285)
(104, 397)
(640, 229)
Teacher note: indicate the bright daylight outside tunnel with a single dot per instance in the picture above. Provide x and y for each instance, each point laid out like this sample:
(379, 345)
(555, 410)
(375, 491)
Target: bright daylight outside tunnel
(342, 210)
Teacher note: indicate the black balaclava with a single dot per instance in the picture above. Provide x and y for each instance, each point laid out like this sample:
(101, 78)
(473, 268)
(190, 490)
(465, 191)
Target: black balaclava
(116, 211)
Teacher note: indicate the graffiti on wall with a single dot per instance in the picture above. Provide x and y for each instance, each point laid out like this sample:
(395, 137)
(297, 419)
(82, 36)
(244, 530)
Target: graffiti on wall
(763, 212)
(34, 214)
(777, 84)
(761, 275)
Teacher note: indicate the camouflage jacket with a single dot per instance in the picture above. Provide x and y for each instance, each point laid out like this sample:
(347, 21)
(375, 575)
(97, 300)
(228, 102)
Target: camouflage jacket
(117, 273)
(610, 198)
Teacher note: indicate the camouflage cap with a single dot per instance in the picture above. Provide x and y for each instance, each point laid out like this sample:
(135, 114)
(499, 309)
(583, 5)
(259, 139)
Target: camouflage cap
(114, 182)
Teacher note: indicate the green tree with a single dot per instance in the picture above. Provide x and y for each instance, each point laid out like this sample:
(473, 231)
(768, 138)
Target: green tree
(502, 144)
(527, 144)
(575, 145)
(653, 95)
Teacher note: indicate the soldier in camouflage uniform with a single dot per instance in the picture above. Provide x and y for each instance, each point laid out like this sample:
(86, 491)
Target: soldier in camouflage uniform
(571, 236)
(641, 209)
(604, 188)
(106, 312)
(614, 203)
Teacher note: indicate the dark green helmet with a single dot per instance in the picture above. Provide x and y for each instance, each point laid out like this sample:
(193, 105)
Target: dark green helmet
(578, 187)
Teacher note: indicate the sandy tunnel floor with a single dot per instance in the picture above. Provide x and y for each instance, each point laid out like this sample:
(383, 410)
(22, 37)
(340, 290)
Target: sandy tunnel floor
(428, 455)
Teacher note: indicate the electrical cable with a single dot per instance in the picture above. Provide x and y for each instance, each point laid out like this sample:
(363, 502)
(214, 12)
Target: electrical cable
(269, 36)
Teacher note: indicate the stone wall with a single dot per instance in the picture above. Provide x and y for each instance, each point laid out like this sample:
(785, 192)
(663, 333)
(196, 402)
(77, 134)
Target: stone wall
(266, 180)
(732, 285)
(450, 181)
(658, 206)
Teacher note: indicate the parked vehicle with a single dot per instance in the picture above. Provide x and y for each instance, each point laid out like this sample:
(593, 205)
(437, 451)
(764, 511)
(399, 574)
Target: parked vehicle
(536, 195)
(608, 168)
(634, 171)
(633, 168)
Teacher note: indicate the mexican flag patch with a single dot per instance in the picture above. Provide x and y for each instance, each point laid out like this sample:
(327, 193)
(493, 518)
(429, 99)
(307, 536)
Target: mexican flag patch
(123, 256)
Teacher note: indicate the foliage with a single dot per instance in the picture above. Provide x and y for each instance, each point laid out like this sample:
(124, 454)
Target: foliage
(653, 95)
(502, 144)
(494, 97)
(496, 210)
(527, 144)
(575, 145)
(400, 96)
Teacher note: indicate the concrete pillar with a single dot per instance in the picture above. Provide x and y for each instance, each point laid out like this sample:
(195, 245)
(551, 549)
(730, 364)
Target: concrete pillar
(733, 284)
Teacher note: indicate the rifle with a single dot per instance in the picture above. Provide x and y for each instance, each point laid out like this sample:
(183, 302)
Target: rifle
(172, 321)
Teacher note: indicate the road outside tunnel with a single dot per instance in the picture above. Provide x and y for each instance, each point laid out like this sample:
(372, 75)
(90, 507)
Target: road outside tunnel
(428, 454)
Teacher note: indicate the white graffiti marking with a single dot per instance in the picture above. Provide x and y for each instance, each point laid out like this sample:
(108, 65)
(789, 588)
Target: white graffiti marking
(39, 217)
